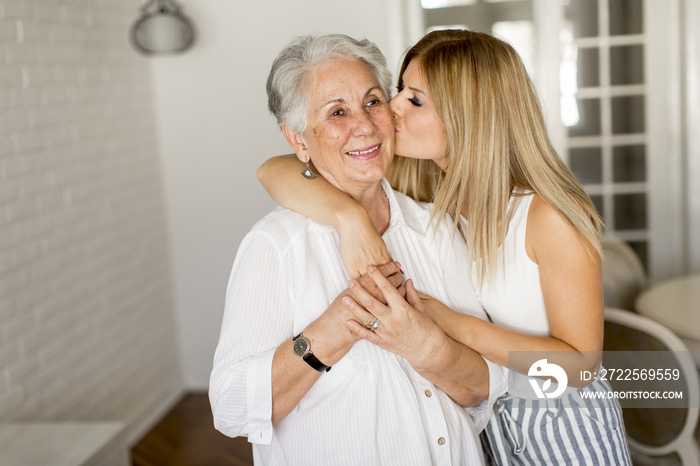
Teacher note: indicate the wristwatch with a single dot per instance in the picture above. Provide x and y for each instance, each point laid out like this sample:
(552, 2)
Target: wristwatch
(302, 347)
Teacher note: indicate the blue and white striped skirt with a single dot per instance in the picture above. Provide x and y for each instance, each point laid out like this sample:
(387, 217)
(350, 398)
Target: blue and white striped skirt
(556, 432)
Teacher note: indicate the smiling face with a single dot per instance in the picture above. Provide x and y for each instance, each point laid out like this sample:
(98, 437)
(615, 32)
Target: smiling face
(419, 132)
(349, 133)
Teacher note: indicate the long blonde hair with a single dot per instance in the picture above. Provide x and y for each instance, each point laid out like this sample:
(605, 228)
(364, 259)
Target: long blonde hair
(497, 141)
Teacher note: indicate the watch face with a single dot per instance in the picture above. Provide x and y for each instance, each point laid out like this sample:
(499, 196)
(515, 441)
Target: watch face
(301, 346)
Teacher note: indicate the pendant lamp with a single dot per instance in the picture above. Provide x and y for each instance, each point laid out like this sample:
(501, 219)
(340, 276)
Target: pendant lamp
(161, 29)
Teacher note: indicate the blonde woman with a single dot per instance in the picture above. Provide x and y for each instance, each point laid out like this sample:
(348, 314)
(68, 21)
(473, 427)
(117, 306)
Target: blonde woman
(472, 139)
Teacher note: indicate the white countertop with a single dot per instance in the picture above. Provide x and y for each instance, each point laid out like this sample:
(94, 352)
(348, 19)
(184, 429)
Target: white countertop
(62, 444)
(674, 303)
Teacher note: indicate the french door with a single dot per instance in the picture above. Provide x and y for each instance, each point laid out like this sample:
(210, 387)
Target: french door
(608, 73)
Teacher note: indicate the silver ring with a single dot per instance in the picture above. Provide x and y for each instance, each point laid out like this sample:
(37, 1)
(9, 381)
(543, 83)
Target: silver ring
(374, 324)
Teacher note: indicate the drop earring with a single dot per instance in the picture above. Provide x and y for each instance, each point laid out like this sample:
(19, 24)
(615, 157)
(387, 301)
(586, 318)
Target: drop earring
(307, 173)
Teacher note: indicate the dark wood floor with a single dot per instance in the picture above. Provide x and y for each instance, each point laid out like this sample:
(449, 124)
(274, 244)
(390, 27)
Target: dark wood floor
(186, 437)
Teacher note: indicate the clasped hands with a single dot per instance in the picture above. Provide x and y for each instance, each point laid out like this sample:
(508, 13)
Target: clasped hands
(405, 327)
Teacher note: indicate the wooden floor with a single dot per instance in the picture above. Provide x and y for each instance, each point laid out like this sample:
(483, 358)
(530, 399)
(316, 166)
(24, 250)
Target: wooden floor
(186, 437)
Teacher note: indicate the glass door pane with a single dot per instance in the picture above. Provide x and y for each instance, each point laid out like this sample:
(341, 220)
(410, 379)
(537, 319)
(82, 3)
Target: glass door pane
(607, 41)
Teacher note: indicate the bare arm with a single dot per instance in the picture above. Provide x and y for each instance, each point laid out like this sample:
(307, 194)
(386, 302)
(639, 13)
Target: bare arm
(330, 340)
(292, 377)
(572, 288)
(254, 364)
(360, 244)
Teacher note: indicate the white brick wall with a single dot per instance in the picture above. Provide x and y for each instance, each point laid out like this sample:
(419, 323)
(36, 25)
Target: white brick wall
(87, 328)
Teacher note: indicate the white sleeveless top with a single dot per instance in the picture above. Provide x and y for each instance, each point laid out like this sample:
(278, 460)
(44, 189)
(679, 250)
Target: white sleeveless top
(513, 298)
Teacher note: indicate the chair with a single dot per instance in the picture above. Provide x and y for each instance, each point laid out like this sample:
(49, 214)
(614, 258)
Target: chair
(654, 431)
(623, 274)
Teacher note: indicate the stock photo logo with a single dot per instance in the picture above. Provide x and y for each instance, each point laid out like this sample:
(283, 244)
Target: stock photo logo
(542, 368)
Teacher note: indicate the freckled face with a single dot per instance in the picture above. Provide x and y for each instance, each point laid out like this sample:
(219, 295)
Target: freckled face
(419, 132)
(350, 132)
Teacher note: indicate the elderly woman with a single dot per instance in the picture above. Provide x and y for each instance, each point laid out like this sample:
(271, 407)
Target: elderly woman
(288, 371)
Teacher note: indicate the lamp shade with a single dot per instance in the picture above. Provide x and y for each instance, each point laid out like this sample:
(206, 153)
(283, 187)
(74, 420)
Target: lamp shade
(162, 30)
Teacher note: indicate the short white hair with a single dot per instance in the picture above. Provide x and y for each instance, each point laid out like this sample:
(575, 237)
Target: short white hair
(286, 85)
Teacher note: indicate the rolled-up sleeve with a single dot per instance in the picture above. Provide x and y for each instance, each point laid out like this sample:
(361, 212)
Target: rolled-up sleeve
(498, 384)
(258, 317)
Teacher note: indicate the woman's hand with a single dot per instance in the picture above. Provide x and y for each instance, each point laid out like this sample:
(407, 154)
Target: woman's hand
(394, 275)
(329, 334)
(407, 332)
(403, 330)
(361, 246)
(441, 314)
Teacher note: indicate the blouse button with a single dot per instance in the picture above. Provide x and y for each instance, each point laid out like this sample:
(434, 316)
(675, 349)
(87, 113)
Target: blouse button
(441, 441)
(428, 393)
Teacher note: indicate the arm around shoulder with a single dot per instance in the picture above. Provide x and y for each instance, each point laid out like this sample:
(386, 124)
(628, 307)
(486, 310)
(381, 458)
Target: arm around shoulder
(315, 198)
(360, 244)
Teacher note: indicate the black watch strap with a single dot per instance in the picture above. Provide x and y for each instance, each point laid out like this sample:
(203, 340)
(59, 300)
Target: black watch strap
(308, 356)
(315, 363)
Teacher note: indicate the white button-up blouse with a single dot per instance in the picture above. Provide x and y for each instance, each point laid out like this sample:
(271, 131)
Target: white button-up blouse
(372, 408)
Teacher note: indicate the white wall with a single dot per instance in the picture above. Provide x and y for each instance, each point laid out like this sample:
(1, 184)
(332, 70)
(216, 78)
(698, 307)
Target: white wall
(215, 130)
(87, 327)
